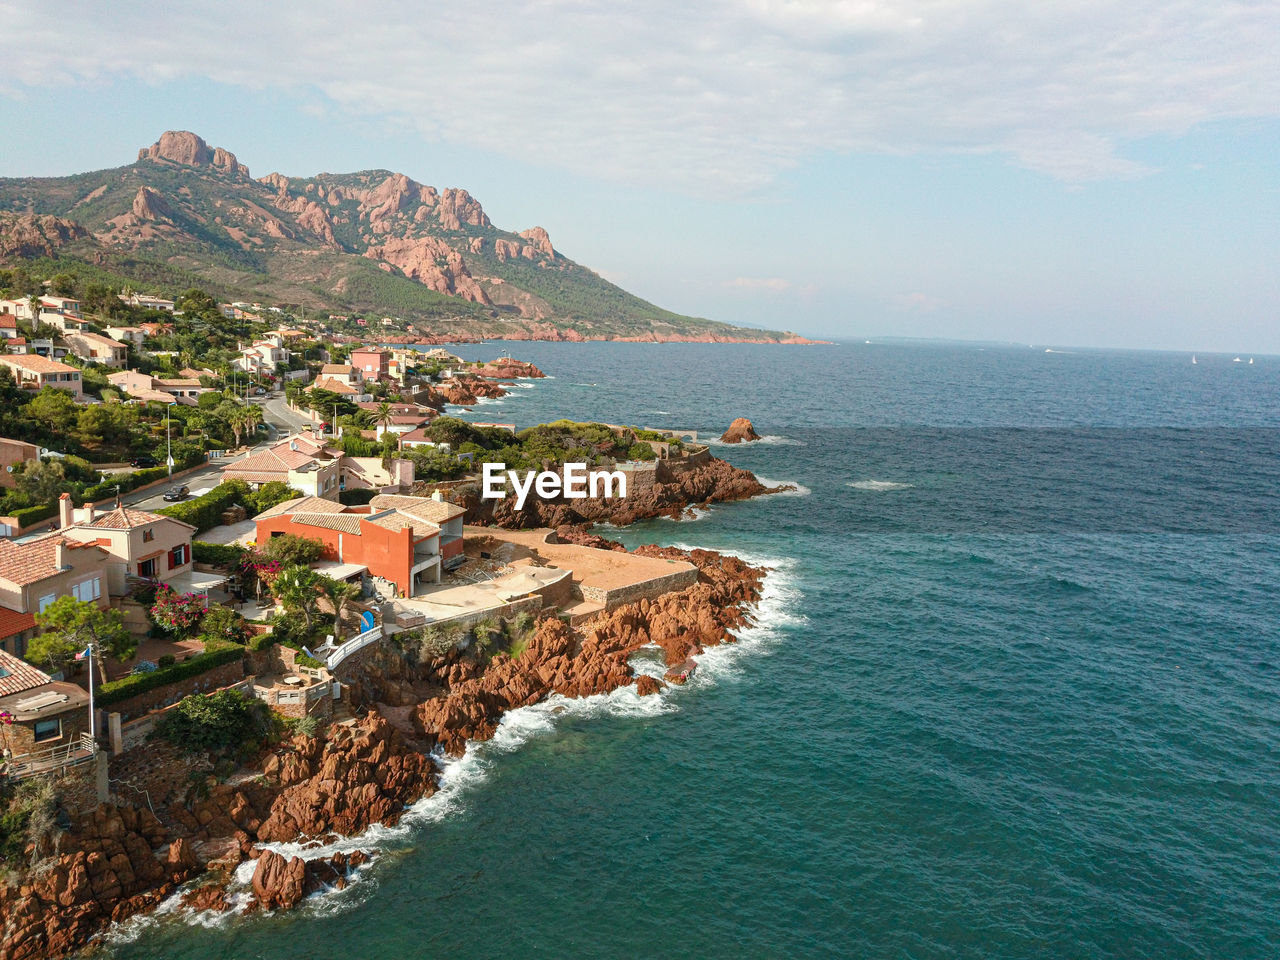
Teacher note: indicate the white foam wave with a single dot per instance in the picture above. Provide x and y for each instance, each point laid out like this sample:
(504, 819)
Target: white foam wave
(775, 611)
(523, 386)
(690, 515)
(768, 440)
(878, 485)
(799, 489)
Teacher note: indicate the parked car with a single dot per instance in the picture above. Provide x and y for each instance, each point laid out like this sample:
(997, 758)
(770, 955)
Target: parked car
(174, 494)
(144, 462)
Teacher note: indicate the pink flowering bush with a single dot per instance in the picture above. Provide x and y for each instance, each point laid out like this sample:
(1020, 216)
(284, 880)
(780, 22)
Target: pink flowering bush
(176, 613)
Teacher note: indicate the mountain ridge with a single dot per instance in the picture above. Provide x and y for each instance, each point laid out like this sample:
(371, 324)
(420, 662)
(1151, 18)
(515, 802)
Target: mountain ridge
(372, 241)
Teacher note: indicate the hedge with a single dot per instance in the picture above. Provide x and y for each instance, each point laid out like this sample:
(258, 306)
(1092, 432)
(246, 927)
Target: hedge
(115, 691)
(261, 641)
(218, 554)
(206, 511)
(29, 515)
(126, 482)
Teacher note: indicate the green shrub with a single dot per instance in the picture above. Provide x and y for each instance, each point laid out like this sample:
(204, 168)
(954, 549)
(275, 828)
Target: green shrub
(125, 481)
(219, 722)
(206, 511)
(289, 549)
(226, 555)
(267, 496)
(115, 691)
(168, 660)
(356, 498)
(222, 625)
(29, 515)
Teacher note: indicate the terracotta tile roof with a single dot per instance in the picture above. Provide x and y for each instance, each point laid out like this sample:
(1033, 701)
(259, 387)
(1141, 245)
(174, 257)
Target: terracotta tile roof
(274, 462)
(302, 505)
(18, 675)
(122, 518)
(434, 511)
(346, 522)
(250, 476)
(395, 520)
(33, 560)
(337, 386)
(96, 338)
(343, 368)
(12, 622)
(37, 364)
(8, 321)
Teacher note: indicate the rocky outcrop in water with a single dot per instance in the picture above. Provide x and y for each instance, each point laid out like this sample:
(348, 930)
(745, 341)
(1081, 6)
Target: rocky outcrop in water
(740, 431)
(711, 481)
(579, 664)
(360, 775)
(111, 864)
(508, 369)
(119, 860)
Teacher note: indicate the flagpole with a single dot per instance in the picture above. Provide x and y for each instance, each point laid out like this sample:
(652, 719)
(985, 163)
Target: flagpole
(93, 733)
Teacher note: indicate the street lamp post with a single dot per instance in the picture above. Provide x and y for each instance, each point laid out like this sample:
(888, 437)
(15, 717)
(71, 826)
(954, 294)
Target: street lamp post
(168, 438)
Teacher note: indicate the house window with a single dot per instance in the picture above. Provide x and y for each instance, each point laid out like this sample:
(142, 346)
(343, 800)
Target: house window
(48, 729)
(148, 536)
(47, 599)
(147, 568)
(177, 556)
(88, 590)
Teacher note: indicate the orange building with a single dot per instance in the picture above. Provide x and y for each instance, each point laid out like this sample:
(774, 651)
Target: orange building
(393, 542)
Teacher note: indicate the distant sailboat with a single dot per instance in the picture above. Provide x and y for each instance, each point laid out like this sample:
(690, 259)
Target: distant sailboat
(1193, 359)
(1236, 360)
(1251, 359)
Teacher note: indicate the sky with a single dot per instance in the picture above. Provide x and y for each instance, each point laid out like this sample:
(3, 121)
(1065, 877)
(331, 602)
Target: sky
(1087, 173)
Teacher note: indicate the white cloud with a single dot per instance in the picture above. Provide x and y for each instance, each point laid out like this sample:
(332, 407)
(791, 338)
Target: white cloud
(716, 95)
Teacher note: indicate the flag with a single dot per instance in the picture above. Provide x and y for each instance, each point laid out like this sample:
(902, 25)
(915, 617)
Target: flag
(84, 654)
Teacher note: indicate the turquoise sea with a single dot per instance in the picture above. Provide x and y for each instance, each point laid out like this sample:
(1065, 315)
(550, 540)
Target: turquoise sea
(1013, 691)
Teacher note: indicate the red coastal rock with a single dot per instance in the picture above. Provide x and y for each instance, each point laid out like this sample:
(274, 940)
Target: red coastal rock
(740, 431)
(558, 660)
(363, 774)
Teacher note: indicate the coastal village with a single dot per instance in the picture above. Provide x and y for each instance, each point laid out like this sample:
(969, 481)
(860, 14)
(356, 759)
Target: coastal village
(253, 595)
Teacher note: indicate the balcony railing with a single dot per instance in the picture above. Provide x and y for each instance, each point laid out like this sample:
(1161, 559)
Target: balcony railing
(358, 642)
(52, 759)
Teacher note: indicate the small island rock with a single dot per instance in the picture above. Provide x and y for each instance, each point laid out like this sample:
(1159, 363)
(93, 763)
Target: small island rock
(740, 431)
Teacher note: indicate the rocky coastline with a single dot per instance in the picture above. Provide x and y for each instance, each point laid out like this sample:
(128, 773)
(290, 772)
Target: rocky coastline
(119, 861)
(714, 481)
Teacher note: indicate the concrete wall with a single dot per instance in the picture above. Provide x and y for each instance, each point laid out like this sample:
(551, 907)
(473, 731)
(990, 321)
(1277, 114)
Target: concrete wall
(127, 735)
(612, 599)
(221, 676)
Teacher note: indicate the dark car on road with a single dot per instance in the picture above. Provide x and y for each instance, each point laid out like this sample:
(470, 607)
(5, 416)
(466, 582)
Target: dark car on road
(174, 494)
(144, 462)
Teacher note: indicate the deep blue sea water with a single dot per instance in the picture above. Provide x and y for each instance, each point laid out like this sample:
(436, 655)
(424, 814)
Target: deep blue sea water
(1013, 692)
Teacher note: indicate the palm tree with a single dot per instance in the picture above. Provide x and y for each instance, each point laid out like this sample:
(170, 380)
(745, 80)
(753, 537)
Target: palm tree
(296, 588)
(383, 416)
(341, 594)
(252, 417)
(235, 420)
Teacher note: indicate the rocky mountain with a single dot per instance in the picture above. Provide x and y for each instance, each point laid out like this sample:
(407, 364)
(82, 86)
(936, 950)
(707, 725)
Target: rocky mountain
(375, 241)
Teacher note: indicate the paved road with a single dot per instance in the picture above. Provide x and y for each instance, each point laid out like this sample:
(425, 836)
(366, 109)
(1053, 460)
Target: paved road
(280, 420)
(277, 413)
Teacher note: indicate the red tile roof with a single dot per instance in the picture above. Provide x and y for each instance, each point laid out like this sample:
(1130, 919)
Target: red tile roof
(12, 622)
(33, 560)
(18, 675)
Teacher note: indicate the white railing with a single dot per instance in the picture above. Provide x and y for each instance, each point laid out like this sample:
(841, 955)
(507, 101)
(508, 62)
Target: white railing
(358, 642)
(54, 758)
